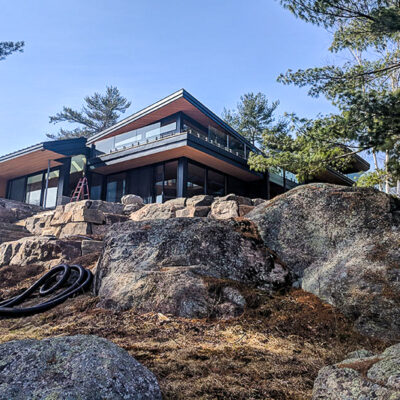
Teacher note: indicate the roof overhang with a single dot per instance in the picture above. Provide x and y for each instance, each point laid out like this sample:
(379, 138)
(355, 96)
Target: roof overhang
(357, 164)
(36, 158)
(334, 177)
(180, 101)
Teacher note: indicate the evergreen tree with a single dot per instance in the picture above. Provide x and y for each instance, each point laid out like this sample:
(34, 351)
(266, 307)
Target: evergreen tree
(252, 116)
(366, 91)
(7, 48)
(99, 113)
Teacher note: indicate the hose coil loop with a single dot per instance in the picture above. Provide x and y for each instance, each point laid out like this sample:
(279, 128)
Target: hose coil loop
(53, 280)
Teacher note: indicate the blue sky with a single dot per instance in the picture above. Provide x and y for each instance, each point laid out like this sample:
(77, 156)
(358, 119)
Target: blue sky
(215, 49)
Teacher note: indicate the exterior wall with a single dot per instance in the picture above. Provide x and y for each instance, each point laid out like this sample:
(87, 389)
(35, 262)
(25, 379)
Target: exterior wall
(3, 187)
(190, 178)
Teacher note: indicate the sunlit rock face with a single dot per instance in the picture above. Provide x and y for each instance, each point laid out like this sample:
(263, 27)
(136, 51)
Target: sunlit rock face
(343, 245)
(361, 376)
(185, 266)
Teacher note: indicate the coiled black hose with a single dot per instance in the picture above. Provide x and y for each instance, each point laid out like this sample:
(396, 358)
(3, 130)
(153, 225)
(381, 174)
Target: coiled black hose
(49, 283)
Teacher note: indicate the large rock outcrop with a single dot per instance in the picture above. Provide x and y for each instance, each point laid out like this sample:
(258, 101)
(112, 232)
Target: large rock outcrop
(78, 218)
(39, 250)
(73, 367)
(10, 232)
(11, 211)
(343, 243)
(188, 267)
(361, 378)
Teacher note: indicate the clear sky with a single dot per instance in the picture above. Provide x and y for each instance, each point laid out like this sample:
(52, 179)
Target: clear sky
(215, 49)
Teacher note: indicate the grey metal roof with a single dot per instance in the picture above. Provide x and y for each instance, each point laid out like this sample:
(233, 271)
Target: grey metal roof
(63, 147)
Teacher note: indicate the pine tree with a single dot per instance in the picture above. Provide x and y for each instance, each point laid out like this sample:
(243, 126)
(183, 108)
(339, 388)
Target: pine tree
(99, 113)
(365, 90)
(7, 48)
(252, 116)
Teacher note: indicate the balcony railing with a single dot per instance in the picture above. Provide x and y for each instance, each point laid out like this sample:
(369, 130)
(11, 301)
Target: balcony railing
(139, 138)
(229, 149)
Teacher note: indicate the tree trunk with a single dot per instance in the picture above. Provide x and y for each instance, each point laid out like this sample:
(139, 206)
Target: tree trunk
(376, 166)
(387, 185)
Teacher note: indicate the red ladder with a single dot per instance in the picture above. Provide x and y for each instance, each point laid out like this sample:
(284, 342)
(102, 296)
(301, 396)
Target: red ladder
(81, 191)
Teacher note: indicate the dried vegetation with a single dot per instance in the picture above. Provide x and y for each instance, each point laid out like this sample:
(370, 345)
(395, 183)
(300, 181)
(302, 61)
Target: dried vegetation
(273, 351)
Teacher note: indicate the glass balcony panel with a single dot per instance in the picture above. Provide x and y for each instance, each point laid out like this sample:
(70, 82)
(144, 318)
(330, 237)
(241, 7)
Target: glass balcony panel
(105, 146)
(236, 146)
(291, 176)
(135, 137)
(191, 129)
(158, 131)
(276, 171)
(167, 130)
(217, 137)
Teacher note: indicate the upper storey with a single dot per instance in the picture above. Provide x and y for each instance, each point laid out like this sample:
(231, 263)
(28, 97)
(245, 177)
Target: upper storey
(178, 113)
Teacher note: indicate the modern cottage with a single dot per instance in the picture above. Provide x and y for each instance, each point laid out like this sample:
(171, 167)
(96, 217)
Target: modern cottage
(176, 147)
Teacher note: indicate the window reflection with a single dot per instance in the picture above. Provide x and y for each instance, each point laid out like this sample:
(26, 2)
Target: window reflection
(76, 172)
(96, 185)
(17, 189)
(195, 180)
(158, 183)
(34, 189)
(141, 183)
(171, 169)
(52, 189)
(215, 183)
(116, 187)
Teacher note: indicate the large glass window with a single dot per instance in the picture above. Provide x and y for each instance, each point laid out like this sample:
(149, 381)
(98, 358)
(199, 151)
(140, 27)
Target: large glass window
(52, 189)
(236, 186)
(158, 183)
(16, 189)
(141, 183)
(78, 164)
(116, 187)
(96, 185)
(195, 180)
(215, 183)
(170, 179)
(34, 189)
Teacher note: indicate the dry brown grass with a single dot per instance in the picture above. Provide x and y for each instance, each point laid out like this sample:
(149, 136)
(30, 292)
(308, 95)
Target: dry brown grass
(273, 351)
